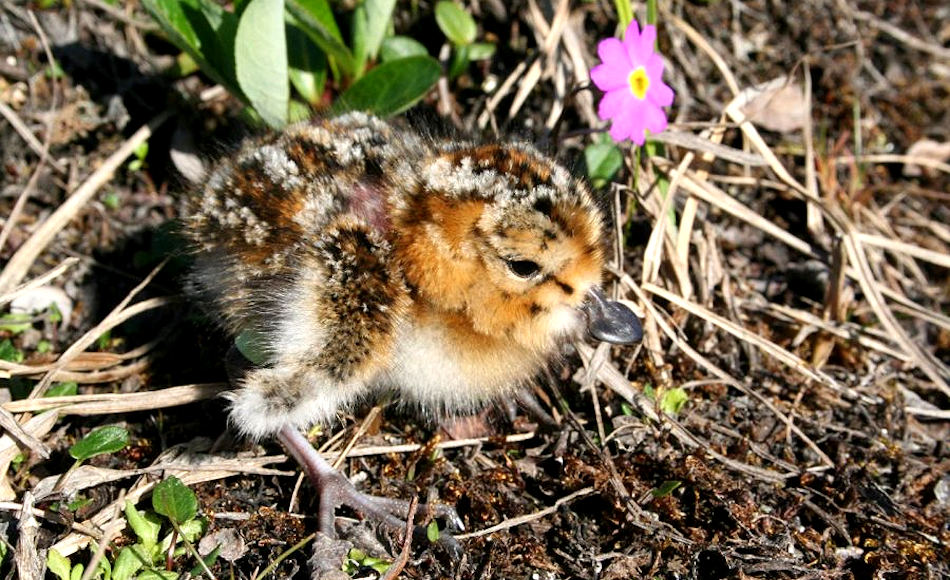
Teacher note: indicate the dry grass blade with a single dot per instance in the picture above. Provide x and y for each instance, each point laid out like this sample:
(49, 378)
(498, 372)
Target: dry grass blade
(766, 346)
(18, 266)
(106, 404)
(39, 280)
(118, 315)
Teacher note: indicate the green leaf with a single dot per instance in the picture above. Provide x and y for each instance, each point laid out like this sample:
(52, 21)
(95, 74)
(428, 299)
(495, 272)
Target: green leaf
(666, 488)
(604, 161)
(371, 20)
(260, 59)
(204, 31)
(192, 529)
(481, 50)
(172, 498)
(16, 322)
(107, 439)
(8, 352)
(157, 575)
(62, 390)
(308, 65)
(58, 564)
(459, 62)
(253, 346)
(396, 47)
(457, 25)
(129, 561)
(315, 18)
(432, 531)
(391, 87)
(76, 572)
(146, 526)
(209, 561)
(673, 400)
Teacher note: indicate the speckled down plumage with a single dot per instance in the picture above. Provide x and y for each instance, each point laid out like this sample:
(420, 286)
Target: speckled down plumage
(367, 258)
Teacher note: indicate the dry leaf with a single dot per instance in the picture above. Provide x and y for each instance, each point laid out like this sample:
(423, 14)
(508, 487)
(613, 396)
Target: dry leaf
(927, 149)
(777, 106)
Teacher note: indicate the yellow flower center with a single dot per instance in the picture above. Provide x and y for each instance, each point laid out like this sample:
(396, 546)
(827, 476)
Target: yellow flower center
(639, 83)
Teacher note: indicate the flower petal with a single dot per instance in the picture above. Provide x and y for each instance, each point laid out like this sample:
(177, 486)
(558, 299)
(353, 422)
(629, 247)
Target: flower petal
(640, 49)
(612, 104)
(612, 52)
(660, 94)
(654, 118)
(609, 76)
(628, 123)
(654, 68)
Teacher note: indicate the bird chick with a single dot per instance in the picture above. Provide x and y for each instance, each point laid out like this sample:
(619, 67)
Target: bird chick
(365, 258)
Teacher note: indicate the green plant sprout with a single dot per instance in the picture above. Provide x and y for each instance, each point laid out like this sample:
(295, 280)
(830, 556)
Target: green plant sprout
(461, 30)
(108, 439)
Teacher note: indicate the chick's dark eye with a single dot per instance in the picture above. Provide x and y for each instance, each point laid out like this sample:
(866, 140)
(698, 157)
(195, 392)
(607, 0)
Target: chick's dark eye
(523, 268)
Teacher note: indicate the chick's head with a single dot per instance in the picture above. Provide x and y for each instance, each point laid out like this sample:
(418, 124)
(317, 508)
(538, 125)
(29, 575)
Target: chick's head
(505, 239)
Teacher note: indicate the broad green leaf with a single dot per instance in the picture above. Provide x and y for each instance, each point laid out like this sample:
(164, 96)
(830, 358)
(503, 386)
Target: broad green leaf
(58, 564)
(203, 30)
(603, 161)
(172, 498)
(666, 488)
(146, 526)
(457, 25)
(308, 65)
(391, 87)
(260, 59)
(396, 47)
(107, 439)
(315, 18)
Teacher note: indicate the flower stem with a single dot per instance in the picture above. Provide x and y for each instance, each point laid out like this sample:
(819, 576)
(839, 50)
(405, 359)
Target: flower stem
(624, 12)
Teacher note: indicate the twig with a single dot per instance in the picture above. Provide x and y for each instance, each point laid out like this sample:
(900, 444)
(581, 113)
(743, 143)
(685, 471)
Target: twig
(513, 522)
(396, 567)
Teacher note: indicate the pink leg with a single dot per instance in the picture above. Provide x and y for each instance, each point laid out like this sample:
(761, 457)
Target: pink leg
(335, 490)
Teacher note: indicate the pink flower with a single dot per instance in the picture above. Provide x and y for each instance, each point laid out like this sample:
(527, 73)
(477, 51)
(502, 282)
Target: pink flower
(630, 75)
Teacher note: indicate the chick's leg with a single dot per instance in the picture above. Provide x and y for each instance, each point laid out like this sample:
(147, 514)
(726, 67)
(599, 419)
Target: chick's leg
(335, 490)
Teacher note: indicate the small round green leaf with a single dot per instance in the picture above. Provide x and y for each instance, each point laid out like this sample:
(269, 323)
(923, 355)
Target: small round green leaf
(396, 47)
(432, 531)
(391, 87)
(172, 499)
(455, 23)
(102, 440)
(481, 50)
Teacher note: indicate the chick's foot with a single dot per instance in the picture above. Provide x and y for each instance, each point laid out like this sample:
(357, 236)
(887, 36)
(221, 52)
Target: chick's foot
(335, 490)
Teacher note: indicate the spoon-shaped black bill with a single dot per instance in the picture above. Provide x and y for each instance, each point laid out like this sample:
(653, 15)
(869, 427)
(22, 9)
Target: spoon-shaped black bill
(611, 321)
